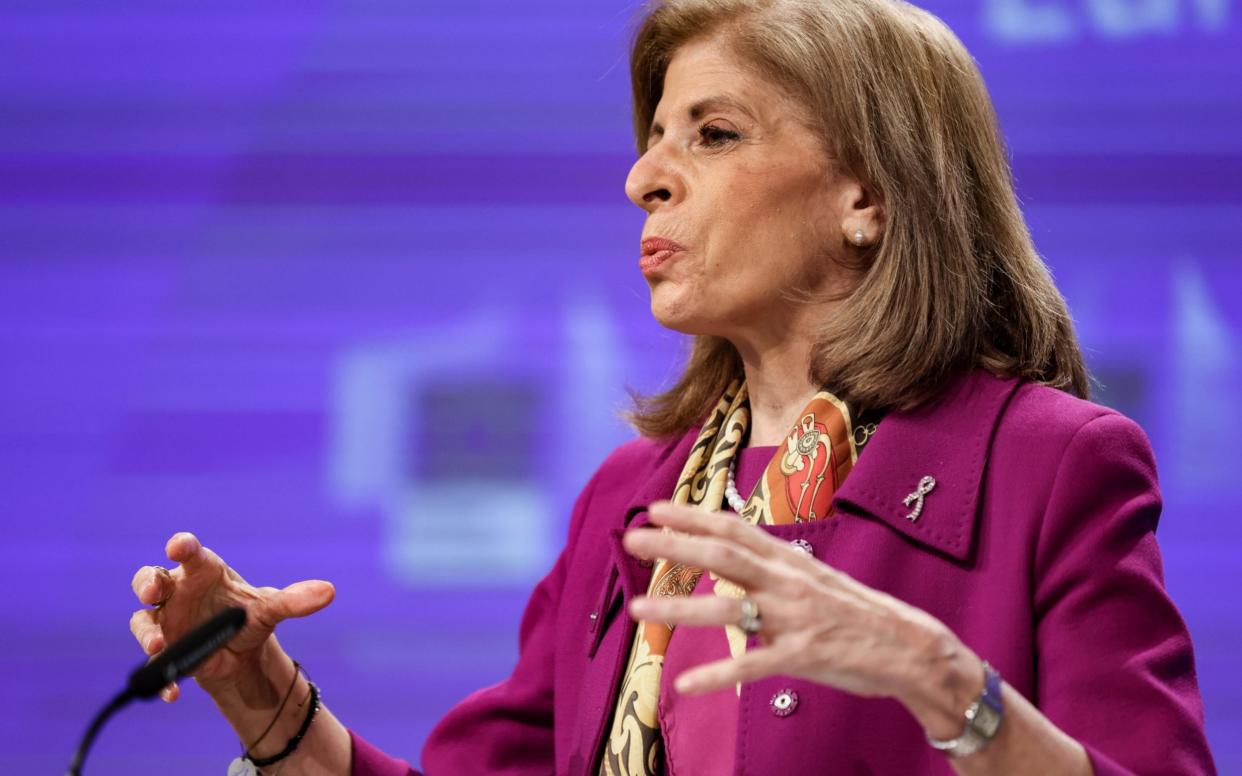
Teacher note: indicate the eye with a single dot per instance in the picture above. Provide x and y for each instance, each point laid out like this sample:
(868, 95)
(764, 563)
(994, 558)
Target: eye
(715, 137)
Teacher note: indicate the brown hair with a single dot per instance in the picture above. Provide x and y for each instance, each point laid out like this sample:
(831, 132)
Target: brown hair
(955, 281)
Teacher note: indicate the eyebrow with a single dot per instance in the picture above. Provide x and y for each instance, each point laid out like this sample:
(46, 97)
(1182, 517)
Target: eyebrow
(703, 106)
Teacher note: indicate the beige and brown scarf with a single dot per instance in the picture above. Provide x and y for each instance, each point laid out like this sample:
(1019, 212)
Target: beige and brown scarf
(798, 484)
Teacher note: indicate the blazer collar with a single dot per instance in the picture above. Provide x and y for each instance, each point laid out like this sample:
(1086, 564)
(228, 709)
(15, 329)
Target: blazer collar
(659, 484)
(947, 439)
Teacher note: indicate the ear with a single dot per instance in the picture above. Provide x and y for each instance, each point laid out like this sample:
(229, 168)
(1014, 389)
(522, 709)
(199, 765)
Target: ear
(862, 214)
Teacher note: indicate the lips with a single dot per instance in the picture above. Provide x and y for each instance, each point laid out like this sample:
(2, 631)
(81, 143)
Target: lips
(656, 251)
(657, 244)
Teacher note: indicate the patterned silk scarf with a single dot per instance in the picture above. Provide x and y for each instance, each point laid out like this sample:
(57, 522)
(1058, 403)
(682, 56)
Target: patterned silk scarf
(798, 484)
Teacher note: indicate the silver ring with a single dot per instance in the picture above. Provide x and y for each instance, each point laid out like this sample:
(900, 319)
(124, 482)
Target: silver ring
(165, 572)
(749, 621)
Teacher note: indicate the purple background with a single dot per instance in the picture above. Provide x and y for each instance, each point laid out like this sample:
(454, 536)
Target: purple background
(343, 286)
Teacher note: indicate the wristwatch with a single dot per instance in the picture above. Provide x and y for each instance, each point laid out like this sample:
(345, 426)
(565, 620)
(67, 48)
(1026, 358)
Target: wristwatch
(983, 719)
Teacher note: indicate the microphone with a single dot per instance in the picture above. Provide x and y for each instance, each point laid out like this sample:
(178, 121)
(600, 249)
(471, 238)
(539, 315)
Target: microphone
(173, 663)
(184, 656)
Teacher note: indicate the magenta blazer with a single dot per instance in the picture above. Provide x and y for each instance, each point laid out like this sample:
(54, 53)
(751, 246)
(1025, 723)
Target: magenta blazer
(1037, 548)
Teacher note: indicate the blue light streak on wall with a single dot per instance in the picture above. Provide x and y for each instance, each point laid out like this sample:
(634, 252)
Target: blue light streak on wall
(1065, 21)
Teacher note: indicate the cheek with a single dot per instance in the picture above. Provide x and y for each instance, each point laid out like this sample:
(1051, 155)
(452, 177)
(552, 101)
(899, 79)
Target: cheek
(777, 232)
(758, 252)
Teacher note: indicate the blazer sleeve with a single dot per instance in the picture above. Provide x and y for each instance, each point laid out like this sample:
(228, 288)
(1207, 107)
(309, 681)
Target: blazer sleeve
(1115, 666)
(505, 728)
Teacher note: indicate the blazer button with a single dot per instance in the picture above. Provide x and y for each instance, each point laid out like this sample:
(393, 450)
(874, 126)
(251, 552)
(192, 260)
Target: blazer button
(803, 545)
(784, 703)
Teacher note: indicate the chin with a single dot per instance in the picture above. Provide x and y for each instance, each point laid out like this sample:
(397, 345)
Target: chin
(676, 312)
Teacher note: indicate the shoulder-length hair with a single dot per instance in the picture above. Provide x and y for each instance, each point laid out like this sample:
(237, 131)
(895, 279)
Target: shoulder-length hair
(954, 282)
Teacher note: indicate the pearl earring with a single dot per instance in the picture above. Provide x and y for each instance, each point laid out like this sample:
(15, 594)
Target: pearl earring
(858, 237)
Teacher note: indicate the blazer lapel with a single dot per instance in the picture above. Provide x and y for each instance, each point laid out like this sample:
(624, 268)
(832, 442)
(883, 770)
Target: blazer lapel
(634, 575)
(946, 440)
(627, 578)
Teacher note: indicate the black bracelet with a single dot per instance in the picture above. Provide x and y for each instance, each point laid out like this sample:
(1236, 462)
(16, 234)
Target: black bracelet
(297, 738)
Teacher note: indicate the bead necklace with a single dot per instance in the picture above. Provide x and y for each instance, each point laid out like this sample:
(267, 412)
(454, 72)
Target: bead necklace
(736, 502)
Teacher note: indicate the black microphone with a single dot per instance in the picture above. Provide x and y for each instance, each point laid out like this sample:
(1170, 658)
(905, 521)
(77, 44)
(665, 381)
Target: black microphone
(184, 656)
(170, 665)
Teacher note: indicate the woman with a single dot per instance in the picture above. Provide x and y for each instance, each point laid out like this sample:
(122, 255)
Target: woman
(884, 367)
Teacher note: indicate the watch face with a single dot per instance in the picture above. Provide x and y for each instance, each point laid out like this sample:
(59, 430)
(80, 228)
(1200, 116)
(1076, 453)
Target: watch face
(987, 720)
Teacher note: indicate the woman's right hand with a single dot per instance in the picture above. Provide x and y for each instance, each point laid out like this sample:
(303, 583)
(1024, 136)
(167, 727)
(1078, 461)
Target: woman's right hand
(200, 586)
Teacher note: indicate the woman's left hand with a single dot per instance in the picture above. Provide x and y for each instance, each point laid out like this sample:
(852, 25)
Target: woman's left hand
(816, 622)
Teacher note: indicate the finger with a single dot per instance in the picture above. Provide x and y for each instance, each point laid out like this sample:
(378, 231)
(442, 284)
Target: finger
(707, 552)
(701, 522)
(747, 667)
(147, 631)
(153, 585)
(170, 693)
(698, 610)
(693, 520)
(299, 599)
(185, 549)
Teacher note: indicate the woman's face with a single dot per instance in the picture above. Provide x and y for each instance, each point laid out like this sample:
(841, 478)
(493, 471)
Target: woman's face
(733, 177)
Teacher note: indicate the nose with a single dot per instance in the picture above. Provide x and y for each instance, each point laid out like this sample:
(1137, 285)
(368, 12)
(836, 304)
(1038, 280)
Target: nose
(651, 182)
